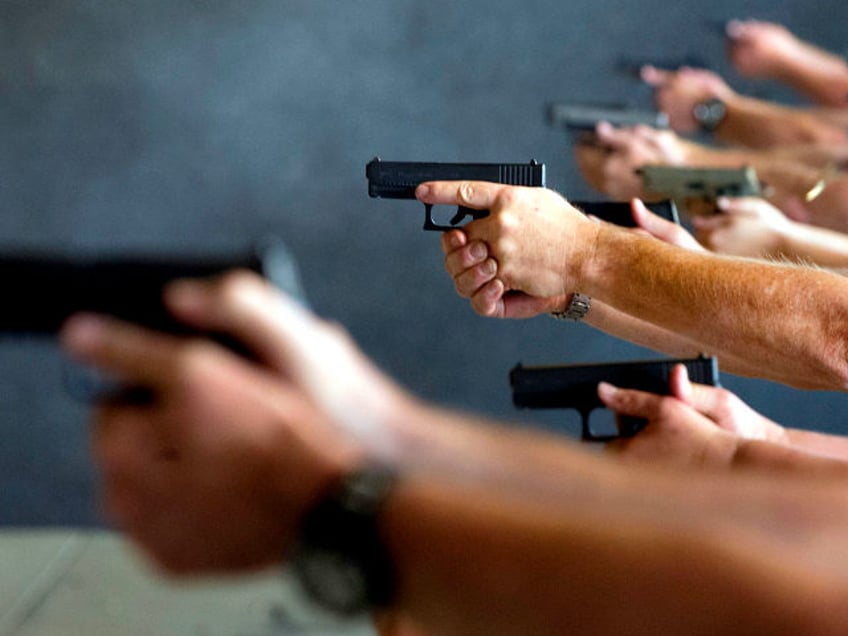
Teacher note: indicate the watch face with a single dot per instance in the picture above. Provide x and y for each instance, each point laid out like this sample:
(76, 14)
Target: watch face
(710, 113)
(337, 583)
(341, 560)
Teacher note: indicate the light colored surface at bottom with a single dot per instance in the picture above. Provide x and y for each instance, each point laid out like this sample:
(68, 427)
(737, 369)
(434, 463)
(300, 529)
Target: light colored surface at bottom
(68, 583)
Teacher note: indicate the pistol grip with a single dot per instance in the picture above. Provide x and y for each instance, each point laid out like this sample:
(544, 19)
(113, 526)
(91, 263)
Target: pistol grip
(628, 426)
(461, 213)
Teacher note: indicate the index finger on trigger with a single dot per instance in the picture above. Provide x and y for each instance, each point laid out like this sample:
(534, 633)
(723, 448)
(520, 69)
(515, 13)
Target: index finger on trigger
(479, 195)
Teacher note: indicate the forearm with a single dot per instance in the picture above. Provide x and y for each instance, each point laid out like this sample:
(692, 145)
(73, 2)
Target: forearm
(800, 453)
(543, 514)
(830, 208)
(645, 334)
(819, 156)
(820, 75)
(760, 124)
(835, 115)
(512, 458)
(550, 565)
(801, 242)
(835, 446)
(787, 320)
(791, 171)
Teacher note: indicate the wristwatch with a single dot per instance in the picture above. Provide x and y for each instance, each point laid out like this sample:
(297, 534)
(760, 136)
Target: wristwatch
(576, 309)
(340, 560)
(709, 113)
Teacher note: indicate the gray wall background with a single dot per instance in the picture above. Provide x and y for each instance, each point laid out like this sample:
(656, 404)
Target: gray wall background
(192, 125)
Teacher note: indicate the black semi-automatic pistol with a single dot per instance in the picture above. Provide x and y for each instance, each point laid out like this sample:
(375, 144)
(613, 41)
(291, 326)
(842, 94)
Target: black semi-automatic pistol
(576, 387)
(399, 179)
(43, 289)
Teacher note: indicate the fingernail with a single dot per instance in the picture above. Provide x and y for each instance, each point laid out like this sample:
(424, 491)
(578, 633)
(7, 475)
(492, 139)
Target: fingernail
(478, 251)
(494, 289)
(82, 332)
(489, 267)
(722, 202)
(422, 191)
(607, 391)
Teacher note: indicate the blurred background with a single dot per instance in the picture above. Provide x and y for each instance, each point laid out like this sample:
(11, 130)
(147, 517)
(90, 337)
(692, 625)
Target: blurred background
(196, 127)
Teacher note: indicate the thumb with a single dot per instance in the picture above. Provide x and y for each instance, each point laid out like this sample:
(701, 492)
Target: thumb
(662, 229)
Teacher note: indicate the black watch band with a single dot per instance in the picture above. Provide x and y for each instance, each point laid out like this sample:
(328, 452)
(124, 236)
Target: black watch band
(341, 561)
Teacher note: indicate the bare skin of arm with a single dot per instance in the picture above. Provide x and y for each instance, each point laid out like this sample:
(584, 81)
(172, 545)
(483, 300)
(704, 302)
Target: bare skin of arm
(720, 405)
(752, 227)
(787, 320)
(473, 270)
(770, 51)
(763, 553)
(748, 121)
(610, 167)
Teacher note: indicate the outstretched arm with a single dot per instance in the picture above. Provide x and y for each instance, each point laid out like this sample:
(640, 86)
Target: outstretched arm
(770, 51)
(787, 320)
(475, 278)
(753, 227)
(748, 121)
(790, 174)
(216, 471)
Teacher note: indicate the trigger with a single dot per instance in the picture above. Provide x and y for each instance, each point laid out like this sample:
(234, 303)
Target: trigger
(461, 213)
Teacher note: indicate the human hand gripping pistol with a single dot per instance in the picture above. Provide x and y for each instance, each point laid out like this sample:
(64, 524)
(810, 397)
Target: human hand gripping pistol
(44, 289)
(399, 179)
(576, 387)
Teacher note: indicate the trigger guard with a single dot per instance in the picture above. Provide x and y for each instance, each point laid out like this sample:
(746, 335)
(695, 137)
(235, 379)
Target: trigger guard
(461, 213)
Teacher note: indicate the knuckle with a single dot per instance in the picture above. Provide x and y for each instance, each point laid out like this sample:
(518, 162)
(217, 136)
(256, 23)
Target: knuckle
(666, 408)
(725, 400)
(465, 192)
(506, 223)
(482, 303)
(190, 361)
(507, 198)
(468, 258)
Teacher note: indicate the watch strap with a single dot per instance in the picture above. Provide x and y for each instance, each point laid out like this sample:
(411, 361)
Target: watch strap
(577, 308)
(341, 561)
